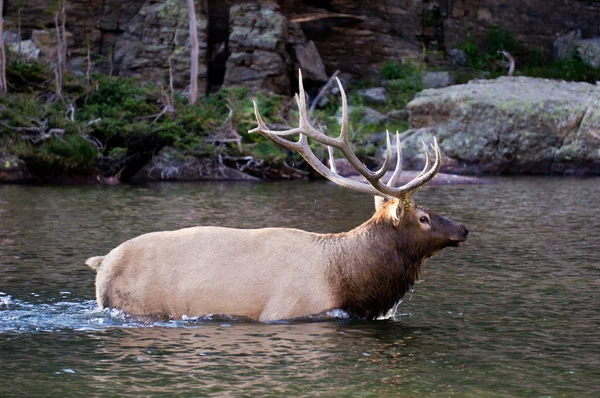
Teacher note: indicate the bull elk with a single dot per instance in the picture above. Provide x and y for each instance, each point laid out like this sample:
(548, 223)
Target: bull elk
(283, 273)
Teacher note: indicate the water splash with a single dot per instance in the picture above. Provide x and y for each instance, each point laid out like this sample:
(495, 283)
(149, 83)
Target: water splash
(23, 317)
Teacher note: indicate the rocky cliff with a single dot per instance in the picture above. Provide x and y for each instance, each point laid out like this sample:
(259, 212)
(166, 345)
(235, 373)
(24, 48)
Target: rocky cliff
(261, 43)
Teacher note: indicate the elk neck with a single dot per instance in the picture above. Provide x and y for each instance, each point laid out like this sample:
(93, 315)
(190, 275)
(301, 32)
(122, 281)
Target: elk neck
(371, 267)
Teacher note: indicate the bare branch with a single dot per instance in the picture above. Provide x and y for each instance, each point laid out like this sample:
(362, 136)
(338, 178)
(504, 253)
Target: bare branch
(315, 17)
(59, 63)
(171, 89)
(71, 111)
(63, 38)
(3, 85)
(88, 72)
(511, 61)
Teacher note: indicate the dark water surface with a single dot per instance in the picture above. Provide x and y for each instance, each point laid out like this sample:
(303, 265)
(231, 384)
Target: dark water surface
(514, 312)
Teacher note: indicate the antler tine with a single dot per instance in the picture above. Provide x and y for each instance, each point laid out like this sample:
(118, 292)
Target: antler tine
(301, 100)
(425, 169)
(343, 145)
(388, 158)
(398, 169)
(420, 181)
(344, 127)
(331, 159)
(427, 159)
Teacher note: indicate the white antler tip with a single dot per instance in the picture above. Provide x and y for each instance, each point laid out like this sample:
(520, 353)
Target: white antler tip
(341, 87)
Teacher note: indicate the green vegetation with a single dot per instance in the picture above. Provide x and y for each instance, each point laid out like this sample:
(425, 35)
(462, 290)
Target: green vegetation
(498, 39)
(405, 80)
(570, 69)
(534, 62)
(115, 123)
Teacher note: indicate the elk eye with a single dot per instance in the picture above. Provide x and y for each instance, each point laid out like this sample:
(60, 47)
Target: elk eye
(424, 220)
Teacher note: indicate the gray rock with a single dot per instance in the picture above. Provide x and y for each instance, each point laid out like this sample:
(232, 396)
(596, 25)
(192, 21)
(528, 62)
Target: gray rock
(589, 51)
(516, 125)
(13, 169)
(374, 95)
(310, 62)
(25, 48)
(458, 57)
(564, 46)
(437, 79)
(257, 46)
(398, 114)
(171, 164)
(378, 139)
(159, 32)
(78, 65)
(567, 45)
(364, 116)
(323, 101)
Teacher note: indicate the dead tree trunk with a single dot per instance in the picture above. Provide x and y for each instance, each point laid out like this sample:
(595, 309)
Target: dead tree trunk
(19, 30)
(63, 41)
(194, 52)
(88, 71)
(3, 86)
(58, 67)
(60, 21)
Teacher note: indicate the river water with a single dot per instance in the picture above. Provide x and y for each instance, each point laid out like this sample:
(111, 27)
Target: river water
(514, 312)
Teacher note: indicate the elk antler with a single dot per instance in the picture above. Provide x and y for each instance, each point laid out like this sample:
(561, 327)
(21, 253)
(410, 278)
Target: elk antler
(374, 186)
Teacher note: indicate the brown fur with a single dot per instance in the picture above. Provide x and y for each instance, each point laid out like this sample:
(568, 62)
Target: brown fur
(378, 262)
(273, 273)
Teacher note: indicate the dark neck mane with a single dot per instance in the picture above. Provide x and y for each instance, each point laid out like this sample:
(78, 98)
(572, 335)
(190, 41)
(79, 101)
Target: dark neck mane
(371, 267)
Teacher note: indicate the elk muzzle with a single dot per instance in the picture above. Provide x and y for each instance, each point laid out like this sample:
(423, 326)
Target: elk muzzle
(459, 236)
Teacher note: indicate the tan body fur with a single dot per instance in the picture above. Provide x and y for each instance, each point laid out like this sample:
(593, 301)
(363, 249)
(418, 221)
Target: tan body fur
(262, 274)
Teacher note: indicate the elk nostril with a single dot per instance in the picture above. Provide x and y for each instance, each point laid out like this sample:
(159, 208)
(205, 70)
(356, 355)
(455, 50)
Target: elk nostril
(466, 231)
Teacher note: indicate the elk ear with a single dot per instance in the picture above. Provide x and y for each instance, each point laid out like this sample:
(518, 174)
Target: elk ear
(397, 212)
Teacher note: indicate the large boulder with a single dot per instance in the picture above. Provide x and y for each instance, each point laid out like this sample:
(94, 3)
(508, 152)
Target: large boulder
(13, 169)
(309, 61)
(159, 32)
(565, 46)
(306, 55)
(257, 45)
(589, 51)
(572, 43)
(363, 116)
(437, 79)
(374, 95)
(509, 126)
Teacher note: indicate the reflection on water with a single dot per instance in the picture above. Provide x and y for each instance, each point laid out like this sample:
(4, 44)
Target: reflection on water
(514, 312)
